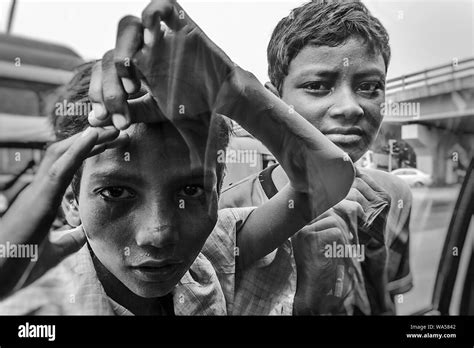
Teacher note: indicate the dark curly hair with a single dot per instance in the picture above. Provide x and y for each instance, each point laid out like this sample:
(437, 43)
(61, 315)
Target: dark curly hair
(323, 23)
(76, 93)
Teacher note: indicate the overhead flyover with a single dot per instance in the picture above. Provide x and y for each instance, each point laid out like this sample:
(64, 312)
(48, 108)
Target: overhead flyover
(435, 110)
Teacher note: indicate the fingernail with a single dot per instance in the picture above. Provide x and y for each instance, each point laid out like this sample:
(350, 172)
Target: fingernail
(147, 37)
(119, 121)
(91, 115)
(99, 111)
(128, 85)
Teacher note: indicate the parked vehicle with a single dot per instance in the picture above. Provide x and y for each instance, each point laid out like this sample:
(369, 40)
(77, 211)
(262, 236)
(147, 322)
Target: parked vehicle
(413, 177)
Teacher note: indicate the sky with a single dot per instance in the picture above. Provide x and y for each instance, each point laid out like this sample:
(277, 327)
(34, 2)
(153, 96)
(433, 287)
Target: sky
(423, 33)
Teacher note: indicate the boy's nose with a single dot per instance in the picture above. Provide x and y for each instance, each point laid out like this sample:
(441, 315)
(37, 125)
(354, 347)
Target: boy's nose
(346, 105)
(156, 228)
(161, 236)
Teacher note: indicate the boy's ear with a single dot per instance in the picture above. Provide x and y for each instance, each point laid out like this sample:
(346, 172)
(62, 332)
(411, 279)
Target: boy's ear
(70, 208)
(272, 88)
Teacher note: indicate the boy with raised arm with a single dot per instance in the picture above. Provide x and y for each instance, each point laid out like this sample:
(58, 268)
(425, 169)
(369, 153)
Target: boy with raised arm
(146, 209)
(329, 60)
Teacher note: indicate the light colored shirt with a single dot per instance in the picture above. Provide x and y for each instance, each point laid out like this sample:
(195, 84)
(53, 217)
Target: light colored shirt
(389, 218)
(212, 285)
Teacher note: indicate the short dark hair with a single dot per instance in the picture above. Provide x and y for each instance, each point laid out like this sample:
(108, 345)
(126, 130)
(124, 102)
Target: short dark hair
(76, 93)
(322, 23)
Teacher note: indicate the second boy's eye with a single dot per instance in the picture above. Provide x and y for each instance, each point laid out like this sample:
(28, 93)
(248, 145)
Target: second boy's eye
(117, 193)
(191, 191)
(318, 87)
(370, 88)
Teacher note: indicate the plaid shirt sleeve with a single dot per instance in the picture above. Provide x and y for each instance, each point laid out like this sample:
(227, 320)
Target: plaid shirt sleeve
(265, 288)
(387, 227)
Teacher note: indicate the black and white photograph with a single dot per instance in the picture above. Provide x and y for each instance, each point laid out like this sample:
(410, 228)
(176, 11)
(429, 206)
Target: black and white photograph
(272, 171)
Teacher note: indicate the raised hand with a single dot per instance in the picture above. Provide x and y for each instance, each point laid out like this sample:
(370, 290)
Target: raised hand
(353, 221)
(29, 219)
(184, 70)
(327, 282)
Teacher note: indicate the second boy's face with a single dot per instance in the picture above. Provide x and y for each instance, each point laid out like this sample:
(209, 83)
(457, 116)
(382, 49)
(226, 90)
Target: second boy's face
(340, 91)
(147, 209)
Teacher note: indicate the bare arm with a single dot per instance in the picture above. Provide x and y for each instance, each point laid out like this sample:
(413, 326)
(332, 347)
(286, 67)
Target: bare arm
(320, 174)
(183, 67)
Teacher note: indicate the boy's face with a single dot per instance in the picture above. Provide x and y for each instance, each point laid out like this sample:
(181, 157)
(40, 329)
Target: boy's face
(145, 210)
(340, 91)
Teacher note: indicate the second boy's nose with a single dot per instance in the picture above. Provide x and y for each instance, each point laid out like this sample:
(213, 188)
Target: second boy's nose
(345, 105)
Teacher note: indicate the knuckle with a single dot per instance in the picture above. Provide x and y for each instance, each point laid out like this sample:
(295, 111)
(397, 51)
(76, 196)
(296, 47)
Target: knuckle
(53, 151)
(352, 194)
(355, 195)
(54, 174)
(332, 220)
(110, 97)
(334, 234)
(306, 237)
(113, 100)
(329, 236)
(360, 196)
(355, 208)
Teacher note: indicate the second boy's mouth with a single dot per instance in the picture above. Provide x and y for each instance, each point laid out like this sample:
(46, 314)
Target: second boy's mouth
(345, 136)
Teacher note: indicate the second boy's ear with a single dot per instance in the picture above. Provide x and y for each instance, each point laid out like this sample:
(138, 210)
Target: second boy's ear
(272, 88)
(70, 208)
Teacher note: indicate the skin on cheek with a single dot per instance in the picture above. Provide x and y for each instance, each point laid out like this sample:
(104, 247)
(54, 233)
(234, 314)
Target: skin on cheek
(106, 223)
(195, 227)
(156, 172)
(106, 226)
(324, 100)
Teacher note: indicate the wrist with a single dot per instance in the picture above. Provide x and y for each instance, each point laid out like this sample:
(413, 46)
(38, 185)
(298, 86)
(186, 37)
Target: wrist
(241, 95)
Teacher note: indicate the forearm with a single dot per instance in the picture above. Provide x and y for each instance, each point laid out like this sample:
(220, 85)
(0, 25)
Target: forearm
(312, 162)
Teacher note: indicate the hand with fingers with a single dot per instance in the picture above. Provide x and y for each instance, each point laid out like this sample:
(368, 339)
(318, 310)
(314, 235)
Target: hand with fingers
(373, 205)
(365, 202)
(353, 221)
(189, 77)
(325, 279)
(183, 69)
(29, 219)
(365, 210)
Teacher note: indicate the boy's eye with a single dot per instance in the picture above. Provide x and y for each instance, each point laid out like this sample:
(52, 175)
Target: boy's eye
(117, 192)
(191, 191)
(318, 87)
(370, 87)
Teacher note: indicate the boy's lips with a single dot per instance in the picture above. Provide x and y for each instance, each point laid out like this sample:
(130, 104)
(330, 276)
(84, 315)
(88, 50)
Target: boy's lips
(154, 270)
(344, 135)
(344, 138)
